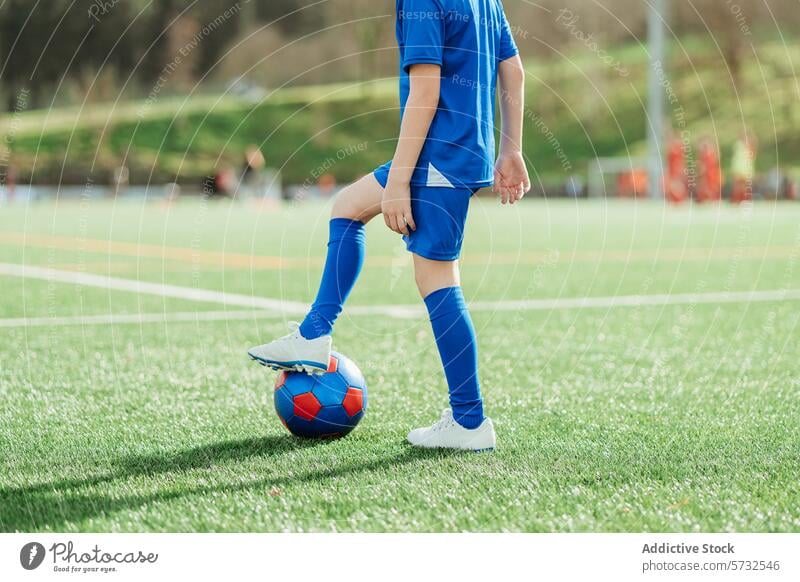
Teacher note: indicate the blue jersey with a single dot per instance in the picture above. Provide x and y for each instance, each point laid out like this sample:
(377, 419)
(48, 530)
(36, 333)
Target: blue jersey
(468, 39)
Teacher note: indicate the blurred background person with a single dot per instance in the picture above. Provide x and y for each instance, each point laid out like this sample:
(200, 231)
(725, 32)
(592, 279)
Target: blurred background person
(8, 185)
(574, 186)
(120, 180)
(743, 168)
(327, 185)
(677, 179)
(221, 184)
(790, 188)
(709, 184)
(773, 184)
(252, 171)
(632, 183)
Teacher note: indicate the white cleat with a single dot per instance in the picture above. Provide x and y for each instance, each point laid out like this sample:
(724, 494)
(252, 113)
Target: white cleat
(448, 434)
(295, 353)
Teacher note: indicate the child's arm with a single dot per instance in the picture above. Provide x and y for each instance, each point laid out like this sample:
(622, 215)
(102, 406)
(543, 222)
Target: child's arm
(511, 175)
(423, 101)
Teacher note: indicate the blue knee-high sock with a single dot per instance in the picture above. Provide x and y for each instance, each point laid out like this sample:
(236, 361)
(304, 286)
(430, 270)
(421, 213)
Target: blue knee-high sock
(455, 337)
(346, 250)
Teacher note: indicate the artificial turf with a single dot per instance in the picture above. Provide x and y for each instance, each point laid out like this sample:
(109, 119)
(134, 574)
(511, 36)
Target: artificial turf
(657, 418)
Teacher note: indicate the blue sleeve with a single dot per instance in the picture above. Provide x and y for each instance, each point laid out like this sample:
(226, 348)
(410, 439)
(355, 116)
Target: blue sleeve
(508, 47)
(422, 25)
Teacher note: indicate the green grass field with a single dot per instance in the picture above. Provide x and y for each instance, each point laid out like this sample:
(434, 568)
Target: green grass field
(672, 417)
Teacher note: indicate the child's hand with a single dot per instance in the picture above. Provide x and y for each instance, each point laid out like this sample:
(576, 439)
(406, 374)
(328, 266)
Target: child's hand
(396, 208)
(511, 179)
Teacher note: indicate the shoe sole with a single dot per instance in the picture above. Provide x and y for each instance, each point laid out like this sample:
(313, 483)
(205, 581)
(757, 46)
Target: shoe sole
(483, 450)
(477, 451)
(307, 367)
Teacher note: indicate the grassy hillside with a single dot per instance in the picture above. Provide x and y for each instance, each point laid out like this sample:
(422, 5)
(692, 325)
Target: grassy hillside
(579, 107)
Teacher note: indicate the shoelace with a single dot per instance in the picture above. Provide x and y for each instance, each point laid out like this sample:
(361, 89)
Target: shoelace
(293, 327)
(443, 423)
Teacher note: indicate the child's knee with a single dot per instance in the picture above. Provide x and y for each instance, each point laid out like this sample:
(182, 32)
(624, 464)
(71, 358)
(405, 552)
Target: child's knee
(344, 208)
(359, 201)
(431, 275)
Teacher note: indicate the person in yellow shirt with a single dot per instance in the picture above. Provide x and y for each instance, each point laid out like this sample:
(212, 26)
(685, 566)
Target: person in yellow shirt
(743, 167)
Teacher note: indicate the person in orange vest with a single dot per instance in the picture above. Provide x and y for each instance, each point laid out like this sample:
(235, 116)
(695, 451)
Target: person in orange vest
(709, 185)
(632, 184)
(327, 185)
(790, 188)
(676, 185)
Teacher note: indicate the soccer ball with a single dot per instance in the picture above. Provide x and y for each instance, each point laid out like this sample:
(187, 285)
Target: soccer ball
(324, 406)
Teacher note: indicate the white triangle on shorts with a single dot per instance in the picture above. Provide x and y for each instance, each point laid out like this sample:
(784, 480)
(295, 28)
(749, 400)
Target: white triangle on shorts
(436, 179)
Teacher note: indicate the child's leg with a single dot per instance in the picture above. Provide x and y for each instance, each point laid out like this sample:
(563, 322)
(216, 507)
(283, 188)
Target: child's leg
(439, 284)
(354, 207)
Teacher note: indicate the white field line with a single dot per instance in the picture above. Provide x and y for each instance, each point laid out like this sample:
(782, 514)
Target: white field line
(159, 289)
(278, 308)
(638, 300)
(138, 318)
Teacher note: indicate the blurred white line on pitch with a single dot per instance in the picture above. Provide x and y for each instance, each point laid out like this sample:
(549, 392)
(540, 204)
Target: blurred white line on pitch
(638, 300)
(277, 308)
(159, 289)
(134, 318)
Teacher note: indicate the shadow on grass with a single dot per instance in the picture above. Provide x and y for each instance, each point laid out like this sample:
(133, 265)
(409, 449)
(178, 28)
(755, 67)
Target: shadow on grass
(52, 504)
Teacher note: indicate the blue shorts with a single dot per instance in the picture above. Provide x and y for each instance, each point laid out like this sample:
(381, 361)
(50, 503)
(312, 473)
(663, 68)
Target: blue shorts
(440, 215)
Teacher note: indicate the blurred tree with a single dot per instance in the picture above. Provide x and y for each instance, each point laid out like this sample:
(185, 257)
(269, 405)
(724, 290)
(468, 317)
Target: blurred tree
(292, 17)
(727, 27)
(13, 44)
(369, 23)
(47, 42)
(156, 58)
(220, 23)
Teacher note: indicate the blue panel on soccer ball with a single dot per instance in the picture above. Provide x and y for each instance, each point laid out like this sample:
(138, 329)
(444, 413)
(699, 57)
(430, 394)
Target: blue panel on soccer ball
(330, 389)
(333, 419)
(357, 418)
(303, 428)
(298, 383)
(350, 372)
(283, 404)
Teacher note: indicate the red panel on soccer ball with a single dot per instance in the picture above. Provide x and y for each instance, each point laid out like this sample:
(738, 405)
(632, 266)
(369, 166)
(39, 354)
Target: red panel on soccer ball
(333, 365)
(353, 401)
(306, 406)
(281, 380)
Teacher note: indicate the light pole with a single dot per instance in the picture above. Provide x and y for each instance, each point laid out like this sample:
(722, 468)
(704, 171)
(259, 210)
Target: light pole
(656, 31)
